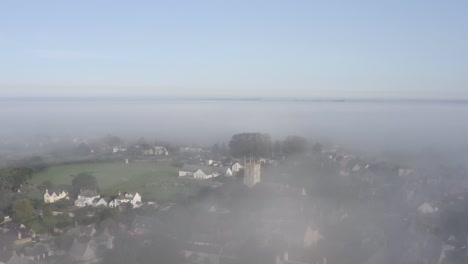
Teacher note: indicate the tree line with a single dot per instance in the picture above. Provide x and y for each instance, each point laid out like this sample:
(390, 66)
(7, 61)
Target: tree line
(261, 145)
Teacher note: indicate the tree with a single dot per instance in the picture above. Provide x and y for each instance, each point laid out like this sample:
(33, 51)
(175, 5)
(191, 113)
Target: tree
(215, 149)
(317, 148)
(5, 200)
(82, 149)
(13, 178)
(83, 181)
(224, 150)
(294, 145)
(251, 145)
(35, 163)
(143, 144)
(23, 211)
(46, 185)
(64, 242)
(277, 147)
(112, 141)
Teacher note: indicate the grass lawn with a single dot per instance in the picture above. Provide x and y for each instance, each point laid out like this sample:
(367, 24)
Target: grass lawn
(154, 181)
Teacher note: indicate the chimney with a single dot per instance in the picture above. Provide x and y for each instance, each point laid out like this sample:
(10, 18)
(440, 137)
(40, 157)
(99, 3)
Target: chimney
(286, 256)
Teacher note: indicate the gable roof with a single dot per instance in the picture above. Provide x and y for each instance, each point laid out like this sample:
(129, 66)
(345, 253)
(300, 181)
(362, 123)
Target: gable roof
(107, 199)
(5, 255)
(147, 222)
(78, 249)
(37, 250)
(88, 193)
(126, 195)
(199, 248)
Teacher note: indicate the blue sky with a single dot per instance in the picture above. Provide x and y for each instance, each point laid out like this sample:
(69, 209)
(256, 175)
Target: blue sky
(385, 49)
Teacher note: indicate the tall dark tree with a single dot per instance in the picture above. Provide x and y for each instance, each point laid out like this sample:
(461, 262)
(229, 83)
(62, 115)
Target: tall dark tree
(6, 198)
(13, 178)
(224, 150)
(35, 163)
(83, 181)
(294, 145)
(82, 149)
(317, 148)
(112, 141)
(215, 150)
(251, 145)
(46, 185)
(23, 211)
(277, 147)
(143, 144)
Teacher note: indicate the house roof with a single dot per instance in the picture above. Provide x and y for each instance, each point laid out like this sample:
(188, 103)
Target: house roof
(122, 196)
(82, 230)
(37, 250)
(5, 255)
(199, 248)
(56, 191)
(147, 222)
(205, 169)
(12, 226)
(103, 237)
(11, 257)
(106, 198)
(78, 249)
(88, 193)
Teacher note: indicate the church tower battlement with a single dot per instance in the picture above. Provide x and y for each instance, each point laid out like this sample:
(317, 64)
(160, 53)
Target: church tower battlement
(251, 172)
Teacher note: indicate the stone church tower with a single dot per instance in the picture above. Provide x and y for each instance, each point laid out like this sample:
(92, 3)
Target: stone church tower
(251, 172)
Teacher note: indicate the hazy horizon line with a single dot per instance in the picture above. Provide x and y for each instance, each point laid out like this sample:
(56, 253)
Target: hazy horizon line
(227, 98)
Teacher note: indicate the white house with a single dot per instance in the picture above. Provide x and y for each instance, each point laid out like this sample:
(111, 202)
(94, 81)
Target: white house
(101, 202)
(54, 197)
(203, 172)
(426, 208)
(86, 197)
(132, 198)
(160, 151)
(311, 237)
(117, 150)
(157, 151)
(236, 167)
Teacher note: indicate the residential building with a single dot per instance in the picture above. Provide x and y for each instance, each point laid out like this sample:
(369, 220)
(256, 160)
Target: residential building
(10, 257)
(82, 252)
(86, 197)
(203, 172)
(55, 196)
(17, 234)
(156, 151)
(236, 167)
(101, 202)
(37, 252)
(132, 198)
(147, 224)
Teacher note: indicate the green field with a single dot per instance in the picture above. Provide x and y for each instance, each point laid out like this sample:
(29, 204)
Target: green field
(154, 181)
